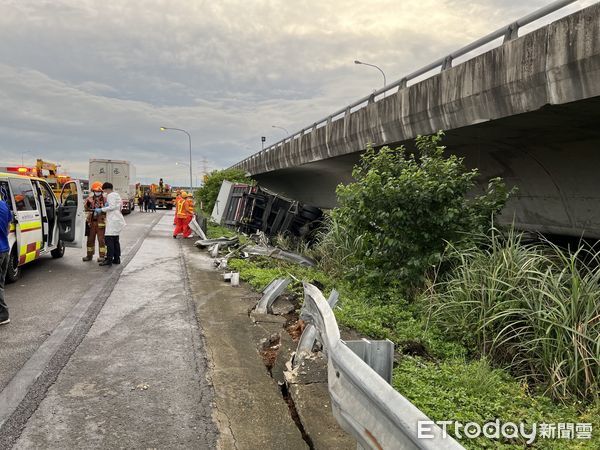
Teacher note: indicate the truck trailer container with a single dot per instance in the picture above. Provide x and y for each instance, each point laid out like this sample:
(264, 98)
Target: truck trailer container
(122, 176)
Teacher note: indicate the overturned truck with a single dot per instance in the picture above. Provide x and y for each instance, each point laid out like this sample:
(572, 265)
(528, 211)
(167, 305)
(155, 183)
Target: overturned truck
(252, 209)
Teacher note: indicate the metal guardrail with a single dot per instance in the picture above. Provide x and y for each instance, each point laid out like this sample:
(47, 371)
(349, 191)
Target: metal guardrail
(508, 32)
(270, 294)
(363, 403)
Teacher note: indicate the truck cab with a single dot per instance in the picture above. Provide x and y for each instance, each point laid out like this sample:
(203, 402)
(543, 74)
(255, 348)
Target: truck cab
(42, 224)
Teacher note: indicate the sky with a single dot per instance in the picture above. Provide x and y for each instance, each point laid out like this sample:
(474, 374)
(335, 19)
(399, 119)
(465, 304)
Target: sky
(83, 79)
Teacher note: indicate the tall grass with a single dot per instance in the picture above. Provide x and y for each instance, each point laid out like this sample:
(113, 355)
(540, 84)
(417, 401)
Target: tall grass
(532, 308)
(337, 251)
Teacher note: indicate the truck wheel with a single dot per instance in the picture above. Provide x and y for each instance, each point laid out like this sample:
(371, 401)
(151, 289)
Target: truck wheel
(59, 251)
(14, 271)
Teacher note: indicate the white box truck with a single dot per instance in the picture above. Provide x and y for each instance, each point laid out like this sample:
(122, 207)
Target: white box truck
(122, 176)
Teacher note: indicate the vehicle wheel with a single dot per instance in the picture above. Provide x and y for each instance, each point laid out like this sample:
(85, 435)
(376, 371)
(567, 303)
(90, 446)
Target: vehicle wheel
(14, 271)
(59, 251)
(169, 207)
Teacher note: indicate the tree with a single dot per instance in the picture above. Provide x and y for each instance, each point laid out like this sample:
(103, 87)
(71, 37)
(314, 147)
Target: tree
(209, 191)
(405, 206)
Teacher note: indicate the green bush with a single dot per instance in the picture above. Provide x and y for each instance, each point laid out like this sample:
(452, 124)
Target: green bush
(475, 392)
(207, 194)
(530, 308)
(394, 220)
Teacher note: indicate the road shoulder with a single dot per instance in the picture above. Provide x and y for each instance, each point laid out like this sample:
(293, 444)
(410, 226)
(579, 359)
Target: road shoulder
(249, 409)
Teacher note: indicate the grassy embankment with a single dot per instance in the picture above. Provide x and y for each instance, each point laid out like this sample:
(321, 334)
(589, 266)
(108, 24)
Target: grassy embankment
(442, 373)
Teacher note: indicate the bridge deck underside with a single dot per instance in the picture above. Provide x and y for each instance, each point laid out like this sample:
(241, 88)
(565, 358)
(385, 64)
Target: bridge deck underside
(552, 155)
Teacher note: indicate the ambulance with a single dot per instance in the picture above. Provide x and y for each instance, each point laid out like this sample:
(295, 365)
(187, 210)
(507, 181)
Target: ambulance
(42, 224)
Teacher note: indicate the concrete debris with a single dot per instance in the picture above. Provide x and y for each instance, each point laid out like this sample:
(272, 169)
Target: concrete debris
(233, 277)
(269, 342)
(282, 306)
(266, 318)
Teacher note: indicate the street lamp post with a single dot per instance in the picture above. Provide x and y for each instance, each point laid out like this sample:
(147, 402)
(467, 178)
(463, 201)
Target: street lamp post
(377, 67)
(281, 128)
(190, 141)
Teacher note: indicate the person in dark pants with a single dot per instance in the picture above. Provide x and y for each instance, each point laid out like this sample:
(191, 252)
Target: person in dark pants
(5, 220)
(152, 202)
(114, 224)
(146, 200)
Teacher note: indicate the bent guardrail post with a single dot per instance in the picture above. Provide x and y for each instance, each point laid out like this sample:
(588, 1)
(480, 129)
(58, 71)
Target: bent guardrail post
(363, 403)
(379, 355)
(270, 294)
(310, 335)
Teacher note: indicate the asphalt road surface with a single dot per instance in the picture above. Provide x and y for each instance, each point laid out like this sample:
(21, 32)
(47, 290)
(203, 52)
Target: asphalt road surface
(100, 357)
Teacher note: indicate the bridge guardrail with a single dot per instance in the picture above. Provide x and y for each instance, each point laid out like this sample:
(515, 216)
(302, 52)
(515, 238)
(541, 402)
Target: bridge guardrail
(508, 32)
(363, 403)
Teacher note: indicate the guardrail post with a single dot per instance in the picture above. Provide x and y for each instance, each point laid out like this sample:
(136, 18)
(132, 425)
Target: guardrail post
(379, 355)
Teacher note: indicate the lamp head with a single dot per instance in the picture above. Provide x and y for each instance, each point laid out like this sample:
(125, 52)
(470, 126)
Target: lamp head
(162, 128)
(356, 61)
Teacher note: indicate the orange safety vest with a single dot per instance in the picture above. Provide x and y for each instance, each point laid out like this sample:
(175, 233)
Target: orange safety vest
(188, 207)
(180, 209)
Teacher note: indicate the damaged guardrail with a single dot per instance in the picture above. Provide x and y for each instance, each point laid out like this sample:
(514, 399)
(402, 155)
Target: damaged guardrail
(363, 403)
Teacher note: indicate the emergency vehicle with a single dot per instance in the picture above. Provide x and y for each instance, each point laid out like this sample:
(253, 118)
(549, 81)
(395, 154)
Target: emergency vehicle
(42, 224)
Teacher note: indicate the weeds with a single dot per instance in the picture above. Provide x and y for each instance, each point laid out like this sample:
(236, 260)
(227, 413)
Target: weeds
(530, 308)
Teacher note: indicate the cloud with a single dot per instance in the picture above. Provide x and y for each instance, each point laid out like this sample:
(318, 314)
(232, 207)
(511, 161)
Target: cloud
(83, 78)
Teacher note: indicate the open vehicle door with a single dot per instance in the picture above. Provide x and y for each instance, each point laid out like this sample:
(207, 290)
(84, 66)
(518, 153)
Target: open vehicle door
(71, 215)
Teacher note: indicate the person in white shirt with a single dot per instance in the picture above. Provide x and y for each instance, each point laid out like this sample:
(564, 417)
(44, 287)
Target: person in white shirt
(114, 224)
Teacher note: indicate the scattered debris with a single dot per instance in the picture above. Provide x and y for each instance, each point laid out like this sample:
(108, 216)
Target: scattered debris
(296, 329)
(141, 387)
(269, 349)
(267, 318)
(283, 306)
(277, 253)
(197, 229)
(271, 341)
(232, 277)
(225, 242)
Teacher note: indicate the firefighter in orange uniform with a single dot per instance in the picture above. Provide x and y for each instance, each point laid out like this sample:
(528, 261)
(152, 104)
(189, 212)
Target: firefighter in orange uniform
(96, 223)
(188, 208)
(184, 213)
(177, 200)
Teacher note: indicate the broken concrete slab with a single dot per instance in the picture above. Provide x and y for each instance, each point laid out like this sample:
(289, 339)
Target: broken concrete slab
(313, 406)
(310, 370)
(282, 306)
(286, 348)
(268, 318)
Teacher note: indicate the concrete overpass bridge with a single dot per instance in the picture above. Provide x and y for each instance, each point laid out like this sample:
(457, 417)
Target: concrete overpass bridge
(528, 111)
